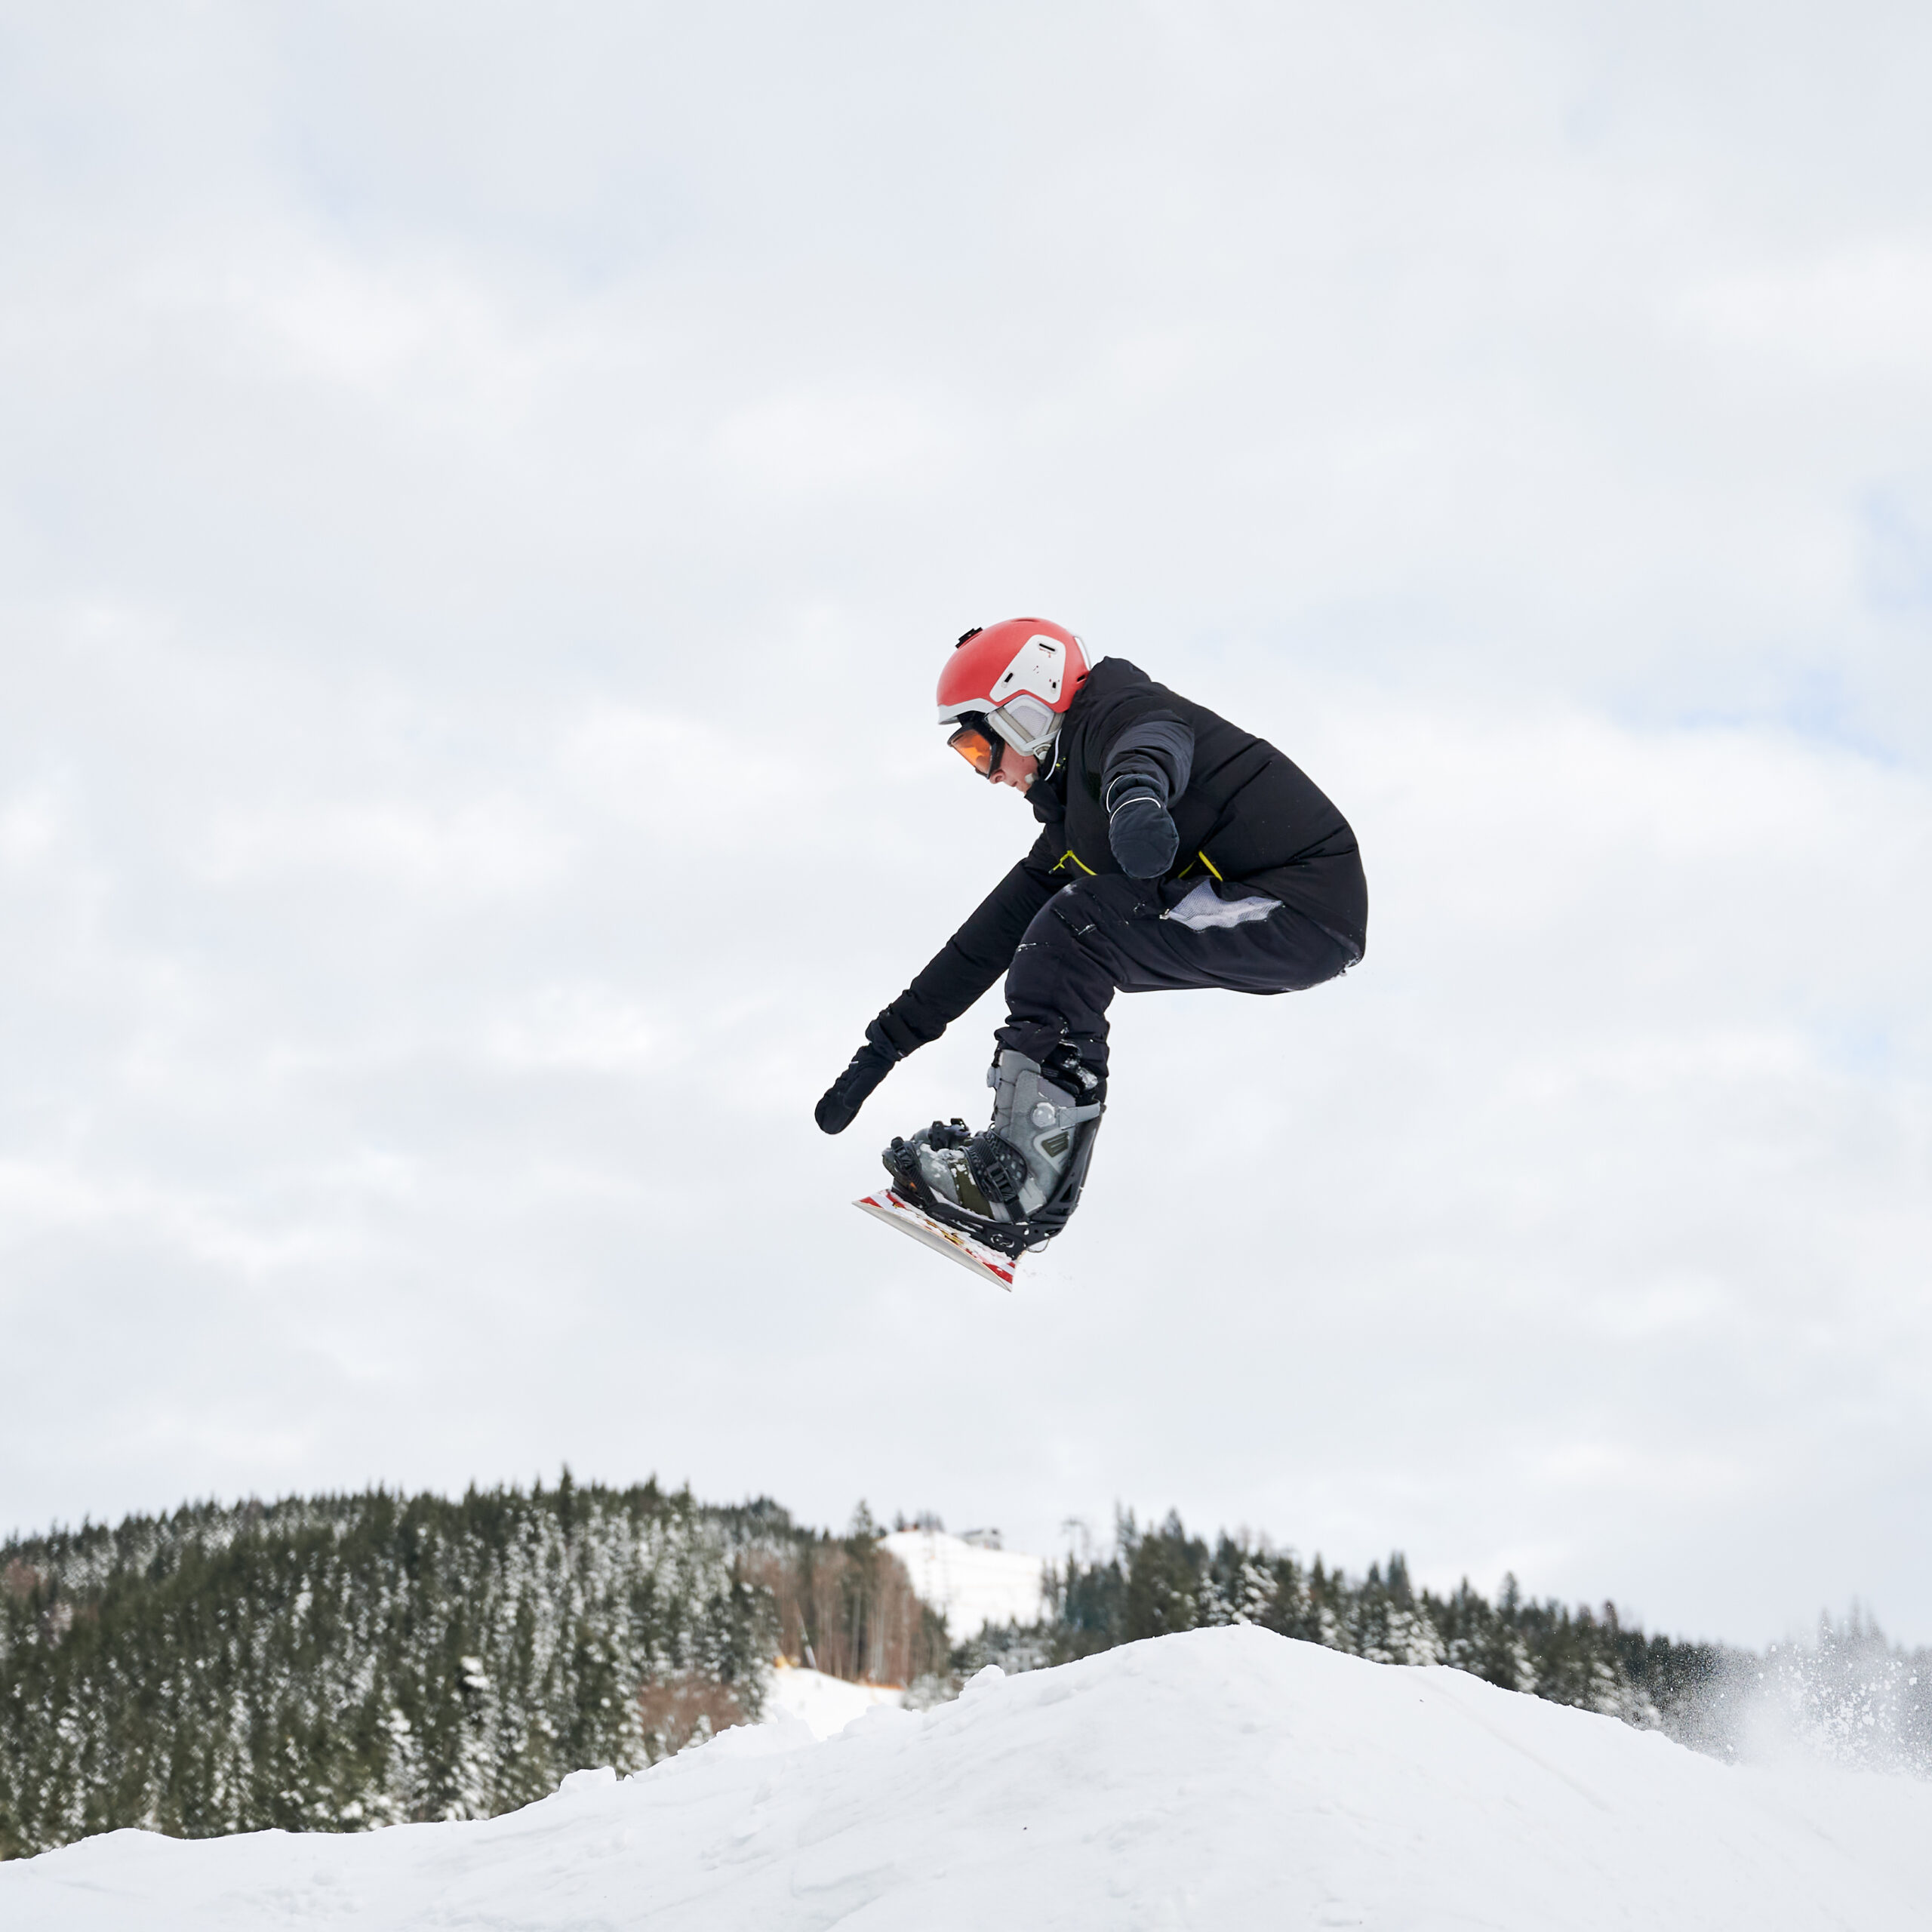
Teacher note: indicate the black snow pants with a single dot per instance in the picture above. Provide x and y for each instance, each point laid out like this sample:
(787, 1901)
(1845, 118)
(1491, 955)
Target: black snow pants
(1111, 934)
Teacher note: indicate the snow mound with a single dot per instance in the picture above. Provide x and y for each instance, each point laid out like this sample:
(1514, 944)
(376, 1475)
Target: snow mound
(1223, 1778)
(824, 1704)
(969, 1585)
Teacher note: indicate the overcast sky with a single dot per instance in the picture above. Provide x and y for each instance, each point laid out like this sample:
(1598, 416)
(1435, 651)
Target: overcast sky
(485, 493)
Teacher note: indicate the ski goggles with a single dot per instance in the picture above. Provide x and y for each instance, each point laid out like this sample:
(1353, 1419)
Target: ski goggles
(979, 745)
(1024, 723)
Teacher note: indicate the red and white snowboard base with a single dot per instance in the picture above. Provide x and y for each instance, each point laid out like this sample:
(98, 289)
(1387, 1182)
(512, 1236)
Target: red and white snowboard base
(897, 1212)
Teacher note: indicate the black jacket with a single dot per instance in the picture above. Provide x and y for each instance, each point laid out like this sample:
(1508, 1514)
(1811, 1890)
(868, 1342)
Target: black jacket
(1245, 814)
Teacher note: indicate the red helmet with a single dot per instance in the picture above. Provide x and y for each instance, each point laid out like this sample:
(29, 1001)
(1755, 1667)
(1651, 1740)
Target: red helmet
(1021, 676)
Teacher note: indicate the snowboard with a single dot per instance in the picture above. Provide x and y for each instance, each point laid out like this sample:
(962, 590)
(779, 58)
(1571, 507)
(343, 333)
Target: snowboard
(896, 1211)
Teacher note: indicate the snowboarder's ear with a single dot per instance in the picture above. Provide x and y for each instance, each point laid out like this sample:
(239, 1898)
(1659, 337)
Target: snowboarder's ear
(966, 636)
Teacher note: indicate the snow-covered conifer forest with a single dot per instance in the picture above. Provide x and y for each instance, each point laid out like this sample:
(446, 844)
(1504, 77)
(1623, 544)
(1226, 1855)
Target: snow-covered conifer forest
(336, 1663)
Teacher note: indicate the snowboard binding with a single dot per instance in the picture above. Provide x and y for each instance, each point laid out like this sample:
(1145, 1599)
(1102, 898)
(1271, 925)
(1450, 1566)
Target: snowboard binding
(1012, 1187)
(1012, 1238)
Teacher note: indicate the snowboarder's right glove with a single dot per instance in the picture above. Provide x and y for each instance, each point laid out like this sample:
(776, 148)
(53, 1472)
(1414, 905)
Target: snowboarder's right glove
(849, 1092)
(1141, 832)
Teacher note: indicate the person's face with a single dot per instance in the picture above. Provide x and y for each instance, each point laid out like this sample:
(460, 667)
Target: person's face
(1018, 769)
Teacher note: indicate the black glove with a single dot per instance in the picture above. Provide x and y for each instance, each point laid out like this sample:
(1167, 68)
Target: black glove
(848, 1093)
(1142, 833)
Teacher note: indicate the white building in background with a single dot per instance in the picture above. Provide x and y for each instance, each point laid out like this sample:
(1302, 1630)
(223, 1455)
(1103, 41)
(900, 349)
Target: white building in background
(969, 1580)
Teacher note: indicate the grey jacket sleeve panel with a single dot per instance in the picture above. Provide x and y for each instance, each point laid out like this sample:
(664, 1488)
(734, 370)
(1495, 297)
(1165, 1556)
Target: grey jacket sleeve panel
(1155, 750)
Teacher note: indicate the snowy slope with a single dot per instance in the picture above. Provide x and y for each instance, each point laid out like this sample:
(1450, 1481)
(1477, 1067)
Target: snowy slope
(969, 1586)
(1224, 1778)
(824, 1704)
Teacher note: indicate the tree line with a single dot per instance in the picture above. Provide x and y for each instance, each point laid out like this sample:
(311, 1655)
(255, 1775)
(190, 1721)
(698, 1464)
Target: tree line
(1847, 1692)
(335, 1663)
(338, 1663)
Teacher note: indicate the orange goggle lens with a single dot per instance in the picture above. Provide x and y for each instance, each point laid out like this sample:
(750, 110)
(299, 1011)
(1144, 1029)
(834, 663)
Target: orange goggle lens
(979, 748)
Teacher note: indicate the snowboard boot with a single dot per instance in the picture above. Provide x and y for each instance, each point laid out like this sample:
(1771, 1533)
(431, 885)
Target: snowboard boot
(1015, 1183)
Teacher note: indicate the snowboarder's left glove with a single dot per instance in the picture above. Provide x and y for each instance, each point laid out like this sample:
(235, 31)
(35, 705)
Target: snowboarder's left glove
(1142, 833)
(849, 1092)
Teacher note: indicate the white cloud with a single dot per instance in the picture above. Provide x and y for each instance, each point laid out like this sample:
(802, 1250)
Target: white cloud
(587, 1029)
(482, 516)
(488, 847)
(29, 827)
(809, 444)
(1863, 312)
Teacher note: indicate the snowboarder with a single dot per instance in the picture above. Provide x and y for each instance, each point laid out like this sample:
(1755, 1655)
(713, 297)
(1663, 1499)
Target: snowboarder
(1175, 851)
